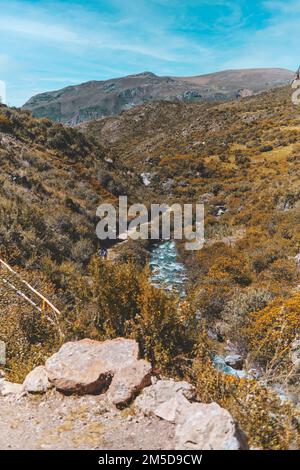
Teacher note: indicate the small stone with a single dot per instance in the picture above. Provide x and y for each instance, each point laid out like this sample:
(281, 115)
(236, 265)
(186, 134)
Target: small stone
(37, 381)
(2, 353)
(295, 354)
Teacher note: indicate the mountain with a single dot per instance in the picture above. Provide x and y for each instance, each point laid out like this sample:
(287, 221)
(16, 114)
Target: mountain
(97, 99)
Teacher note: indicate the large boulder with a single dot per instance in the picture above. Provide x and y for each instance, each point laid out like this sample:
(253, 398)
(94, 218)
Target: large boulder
(165, 398)
(37, 381)
(207, 427)
(88, 366)
(129, 381)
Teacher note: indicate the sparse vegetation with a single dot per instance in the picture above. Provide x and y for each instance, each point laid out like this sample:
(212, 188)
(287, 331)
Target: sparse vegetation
(239, 156)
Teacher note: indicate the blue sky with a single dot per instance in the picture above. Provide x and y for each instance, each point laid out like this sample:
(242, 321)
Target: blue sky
(46, 45)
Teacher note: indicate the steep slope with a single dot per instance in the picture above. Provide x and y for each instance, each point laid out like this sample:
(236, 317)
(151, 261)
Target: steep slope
(95, 99)
(49, 191)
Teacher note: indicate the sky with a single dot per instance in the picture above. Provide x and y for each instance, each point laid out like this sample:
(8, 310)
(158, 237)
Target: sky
(47, 45)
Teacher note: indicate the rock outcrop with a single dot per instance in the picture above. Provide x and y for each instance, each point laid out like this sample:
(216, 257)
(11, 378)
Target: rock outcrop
(113, 367)
(198, 426)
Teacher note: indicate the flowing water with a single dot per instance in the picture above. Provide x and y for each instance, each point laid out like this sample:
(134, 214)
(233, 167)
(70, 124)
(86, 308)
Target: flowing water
(166, 271)
(170, 274)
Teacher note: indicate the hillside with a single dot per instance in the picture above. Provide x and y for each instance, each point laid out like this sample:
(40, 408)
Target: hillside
(241, 158)
(95, 99)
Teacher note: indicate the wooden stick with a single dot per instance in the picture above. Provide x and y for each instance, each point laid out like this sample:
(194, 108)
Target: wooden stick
(30, 287)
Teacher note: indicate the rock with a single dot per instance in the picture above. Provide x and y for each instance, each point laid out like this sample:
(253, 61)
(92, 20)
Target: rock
(146, 178)
(244, 93)
(2, 353)
(169, 410)
(167, 185)
(207, 427)
(10, 388)
(205, 198)
(163, 398)
(295, 354)
(220, 210)
(129, 381)
(235, 361)
(88, 366)
(37, 381)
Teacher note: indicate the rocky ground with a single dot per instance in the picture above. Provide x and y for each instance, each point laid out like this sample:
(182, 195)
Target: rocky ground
(100, 395)
(54, 421)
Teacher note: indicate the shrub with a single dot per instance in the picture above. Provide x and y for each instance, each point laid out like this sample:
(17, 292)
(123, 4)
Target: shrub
(236, 313)
(128, 305)
(5, 123)
(271, 333)
(268, 423)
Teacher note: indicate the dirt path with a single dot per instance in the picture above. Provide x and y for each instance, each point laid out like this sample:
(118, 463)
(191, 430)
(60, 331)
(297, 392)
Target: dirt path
(54, 421)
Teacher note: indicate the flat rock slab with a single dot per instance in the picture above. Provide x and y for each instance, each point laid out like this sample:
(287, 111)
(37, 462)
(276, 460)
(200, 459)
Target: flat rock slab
(87, 366)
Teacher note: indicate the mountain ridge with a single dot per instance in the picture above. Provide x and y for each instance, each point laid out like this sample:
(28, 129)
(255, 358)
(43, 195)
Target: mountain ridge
(97, 99)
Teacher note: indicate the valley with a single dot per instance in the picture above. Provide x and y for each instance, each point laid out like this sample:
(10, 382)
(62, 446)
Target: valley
(241, 159)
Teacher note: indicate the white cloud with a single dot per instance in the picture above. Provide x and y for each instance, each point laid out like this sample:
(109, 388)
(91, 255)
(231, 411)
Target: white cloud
(46, 31)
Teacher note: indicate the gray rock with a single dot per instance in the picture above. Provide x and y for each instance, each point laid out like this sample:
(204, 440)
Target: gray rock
(37, 381)
(129, 381)
(164, 398)
(295, 354)
(204, 198)
(88, 366)
(235, 361)
(146, 178)
(10, 388)
(207, 427)
(2, 353)
(297, 259)
(171, 409)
